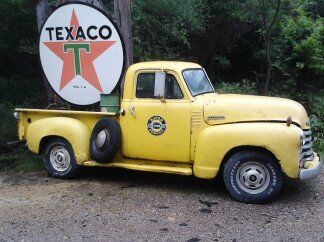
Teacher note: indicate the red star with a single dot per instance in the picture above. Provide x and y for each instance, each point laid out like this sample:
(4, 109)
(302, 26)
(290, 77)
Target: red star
(88, 71)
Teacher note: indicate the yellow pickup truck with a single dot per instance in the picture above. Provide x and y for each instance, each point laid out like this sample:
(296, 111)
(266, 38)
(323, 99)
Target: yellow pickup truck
(171, 120)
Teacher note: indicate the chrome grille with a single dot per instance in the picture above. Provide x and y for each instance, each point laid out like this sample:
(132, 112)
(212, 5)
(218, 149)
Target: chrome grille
(306, 153)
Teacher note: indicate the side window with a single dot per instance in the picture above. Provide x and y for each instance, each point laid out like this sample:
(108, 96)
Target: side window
(172, 89)
(146, 85)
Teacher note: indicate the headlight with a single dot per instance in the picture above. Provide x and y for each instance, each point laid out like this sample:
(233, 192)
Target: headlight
(16, 115)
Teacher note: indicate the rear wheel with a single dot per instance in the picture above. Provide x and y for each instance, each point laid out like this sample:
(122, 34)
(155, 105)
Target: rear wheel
(59, 159)
(252, 177)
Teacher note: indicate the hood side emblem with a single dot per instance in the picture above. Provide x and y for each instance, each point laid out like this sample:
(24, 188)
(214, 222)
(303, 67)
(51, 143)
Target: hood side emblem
(216, 117)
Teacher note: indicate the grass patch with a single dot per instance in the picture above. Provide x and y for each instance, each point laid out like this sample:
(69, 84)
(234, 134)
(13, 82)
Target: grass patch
(20, 160)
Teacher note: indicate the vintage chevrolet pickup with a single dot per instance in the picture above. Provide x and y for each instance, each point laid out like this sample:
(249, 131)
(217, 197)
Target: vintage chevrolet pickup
(171, 120)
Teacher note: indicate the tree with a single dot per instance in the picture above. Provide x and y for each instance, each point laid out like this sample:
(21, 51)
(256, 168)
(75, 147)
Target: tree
(43, 10)
(123, 20)
(269, 10)
(162, 29)
(298, 50)
(264, 14)
(18, 46)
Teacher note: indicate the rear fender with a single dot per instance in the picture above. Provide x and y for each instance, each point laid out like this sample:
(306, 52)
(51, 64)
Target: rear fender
(74, 131)
(215, 142)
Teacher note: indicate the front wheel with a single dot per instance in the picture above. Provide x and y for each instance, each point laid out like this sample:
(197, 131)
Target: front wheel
(252, 177)
(59, 159)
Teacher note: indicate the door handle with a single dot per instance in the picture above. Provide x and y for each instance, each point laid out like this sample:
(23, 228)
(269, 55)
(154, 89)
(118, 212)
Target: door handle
(132, 110)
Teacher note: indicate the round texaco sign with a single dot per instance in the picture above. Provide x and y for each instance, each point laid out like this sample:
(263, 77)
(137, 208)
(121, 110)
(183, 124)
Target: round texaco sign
(81, 52)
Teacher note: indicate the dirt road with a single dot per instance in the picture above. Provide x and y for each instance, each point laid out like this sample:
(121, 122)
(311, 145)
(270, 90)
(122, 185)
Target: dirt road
(119, 205)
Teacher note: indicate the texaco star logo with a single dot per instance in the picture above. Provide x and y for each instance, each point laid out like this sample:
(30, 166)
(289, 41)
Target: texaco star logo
(82, 58)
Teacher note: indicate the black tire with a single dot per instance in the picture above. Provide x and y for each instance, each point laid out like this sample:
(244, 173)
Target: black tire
(252, 177)
(60, 152)
(105, 150)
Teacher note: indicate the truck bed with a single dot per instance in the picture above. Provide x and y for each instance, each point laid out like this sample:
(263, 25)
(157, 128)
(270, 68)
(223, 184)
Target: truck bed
(29, 116)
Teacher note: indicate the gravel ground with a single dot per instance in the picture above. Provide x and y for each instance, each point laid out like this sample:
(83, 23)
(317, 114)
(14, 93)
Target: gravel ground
(119, 205)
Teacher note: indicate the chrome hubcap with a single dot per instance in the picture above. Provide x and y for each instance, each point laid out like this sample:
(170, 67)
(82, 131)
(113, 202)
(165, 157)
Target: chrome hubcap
(253, 177)
(60, 158)
(102, 138)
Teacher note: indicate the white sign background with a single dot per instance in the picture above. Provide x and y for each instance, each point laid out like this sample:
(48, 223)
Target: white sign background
(108, 66)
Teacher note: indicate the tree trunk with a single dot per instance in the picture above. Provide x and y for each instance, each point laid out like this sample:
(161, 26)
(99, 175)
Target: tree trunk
(267, 26)
(123, 20)
(269, 63)
(42, 11)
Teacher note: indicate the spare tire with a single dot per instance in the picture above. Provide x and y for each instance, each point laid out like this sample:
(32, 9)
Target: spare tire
(105, 140)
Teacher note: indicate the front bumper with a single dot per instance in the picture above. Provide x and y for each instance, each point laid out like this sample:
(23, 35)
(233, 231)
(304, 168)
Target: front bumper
(311, 169)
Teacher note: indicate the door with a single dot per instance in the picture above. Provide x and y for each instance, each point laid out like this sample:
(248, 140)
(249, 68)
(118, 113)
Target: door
(158, 127)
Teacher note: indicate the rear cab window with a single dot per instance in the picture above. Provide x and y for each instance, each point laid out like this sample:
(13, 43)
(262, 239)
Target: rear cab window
(146, 83)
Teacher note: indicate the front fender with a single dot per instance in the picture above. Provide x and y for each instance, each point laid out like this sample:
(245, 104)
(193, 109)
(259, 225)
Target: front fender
(214, 142)
(73, 130)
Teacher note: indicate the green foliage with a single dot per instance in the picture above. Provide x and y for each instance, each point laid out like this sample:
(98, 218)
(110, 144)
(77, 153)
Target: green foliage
(244, 87)
(21, 160)
(8, 126)
(18, 38)
(315, 105)
(299, 51)
(161, 28)
(226, 37)
(22, 92)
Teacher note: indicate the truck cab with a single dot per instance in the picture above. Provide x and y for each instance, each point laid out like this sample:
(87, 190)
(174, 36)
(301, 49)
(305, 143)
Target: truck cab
(172, 120)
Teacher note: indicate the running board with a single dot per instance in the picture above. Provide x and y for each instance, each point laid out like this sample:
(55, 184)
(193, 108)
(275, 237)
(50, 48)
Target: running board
(147, 165)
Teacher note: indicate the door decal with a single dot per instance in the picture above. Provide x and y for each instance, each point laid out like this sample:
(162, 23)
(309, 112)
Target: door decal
(156, 125)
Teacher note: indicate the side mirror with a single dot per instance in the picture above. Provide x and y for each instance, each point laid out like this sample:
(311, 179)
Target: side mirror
(159, 87)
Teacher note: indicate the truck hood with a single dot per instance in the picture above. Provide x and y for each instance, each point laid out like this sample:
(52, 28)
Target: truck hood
(232, 108)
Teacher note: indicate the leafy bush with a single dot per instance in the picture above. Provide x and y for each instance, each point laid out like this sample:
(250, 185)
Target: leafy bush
(244, 87)
(299, 53)
(315, 106)
(8, 125)
(161, 28)
(20, 160)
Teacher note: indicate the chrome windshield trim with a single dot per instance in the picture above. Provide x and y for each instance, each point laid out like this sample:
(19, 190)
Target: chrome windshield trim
(188, 69)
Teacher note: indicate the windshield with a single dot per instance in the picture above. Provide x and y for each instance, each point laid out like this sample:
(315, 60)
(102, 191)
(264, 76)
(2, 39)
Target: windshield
(197, 81)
